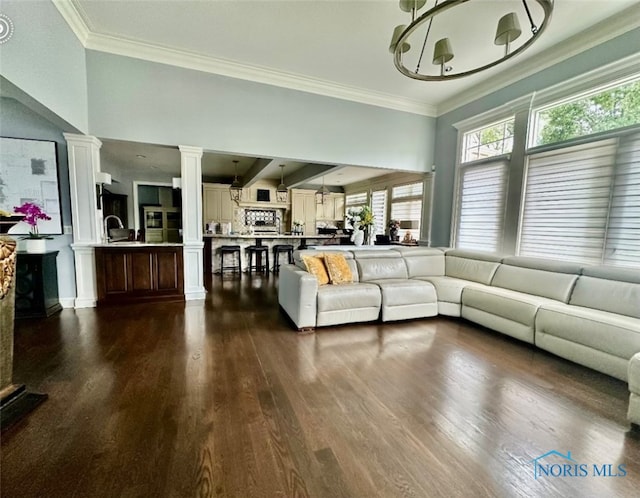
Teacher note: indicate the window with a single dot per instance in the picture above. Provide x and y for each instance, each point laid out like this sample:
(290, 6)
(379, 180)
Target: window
(582, 203)
(379, 208)
(356, 200)
(606, 108)
(406, 207)
(354, 204)
(481, 205)
(490, 141)
(622, 246)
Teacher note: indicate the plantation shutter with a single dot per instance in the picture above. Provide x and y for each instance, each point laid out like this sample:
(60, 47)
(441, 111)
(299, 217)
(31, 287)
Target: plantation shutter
(379, 208)
(623, 234)
(566, 203)
(481, 206)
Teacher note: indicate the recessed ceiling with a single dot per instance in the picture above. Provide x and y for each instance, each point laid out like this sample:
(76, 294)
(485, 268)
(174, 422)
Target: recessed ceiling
(340, 43)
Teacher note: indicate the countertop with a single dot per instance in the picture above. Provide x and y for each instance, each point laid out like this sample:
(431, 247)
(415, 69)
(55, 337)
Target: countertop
(271, 236)
(133, 243)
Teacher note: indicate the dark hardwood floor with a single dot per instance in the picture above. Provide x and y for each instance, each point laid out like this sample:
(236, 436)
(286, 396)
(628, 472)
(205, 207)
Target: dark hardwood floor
(224, 399)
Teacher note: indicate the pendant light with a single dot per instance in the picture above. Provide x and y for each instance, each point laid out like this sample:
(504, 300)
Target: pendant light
(236, 187)
(282, 193)
(321, 193)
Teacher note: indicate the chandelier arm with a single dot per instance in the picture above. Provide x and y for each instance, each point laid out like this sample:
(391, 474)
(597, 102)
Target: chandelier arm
(534, 28)
(547, 6)
(424, 44)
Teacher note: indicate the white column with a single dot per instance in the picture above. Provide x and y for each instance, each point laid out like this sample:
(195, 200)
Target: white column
(191, 171)
(84, 163)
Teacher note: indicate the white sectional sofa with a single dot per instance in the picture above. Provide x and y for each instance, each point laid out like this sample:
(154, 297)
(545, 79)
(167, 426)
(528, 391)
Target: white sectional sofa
(586, 314)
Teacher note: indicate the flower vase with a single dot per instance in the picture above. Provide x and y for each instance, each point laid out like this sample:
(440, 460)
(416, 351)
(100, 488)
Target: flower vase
(36, 246)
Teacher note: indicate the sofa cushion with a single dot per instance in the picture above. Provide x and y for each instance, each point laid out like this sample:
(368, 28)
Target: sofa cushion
(471, 265)
(381, 268)
(423, 261)
(615, 290)
(515, 306)
(315, 266)
(338, 269)
(607, 332)
(348, 296)
(449, 289)
(399, 292)
(554, 281)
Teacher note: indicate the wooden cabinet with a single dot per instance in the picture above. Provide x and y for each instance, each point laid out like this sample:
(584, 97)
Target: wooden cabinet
(216, 204)
(36, 285)
(332, 209)
(162, 224)
(303, 208)
(139, 274)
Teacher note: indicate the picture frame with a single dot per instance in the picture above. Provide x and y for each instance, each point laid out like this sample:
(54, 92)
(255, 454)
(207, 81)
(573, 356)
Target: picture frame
(29, 173)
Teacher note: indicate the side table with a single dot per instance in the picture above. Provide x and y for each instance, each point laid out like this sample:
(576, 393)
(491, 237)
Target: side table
(37, 285)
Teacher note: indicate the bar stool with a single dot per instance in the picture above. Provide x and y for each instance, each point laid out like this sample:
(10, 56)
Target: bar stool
(258, 252)
(277, 250)
(232, 251)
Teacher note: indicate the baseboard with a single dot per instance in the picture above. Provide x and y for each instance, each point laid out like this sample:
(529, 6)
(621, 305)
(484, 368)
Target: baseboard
(84, 303)
(195, 296)
(68, 302)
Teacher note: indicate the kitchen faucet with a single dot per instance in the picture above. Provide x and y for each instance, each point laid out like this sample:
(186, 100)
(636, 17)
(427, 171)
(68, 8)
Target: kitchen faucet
(106, 228)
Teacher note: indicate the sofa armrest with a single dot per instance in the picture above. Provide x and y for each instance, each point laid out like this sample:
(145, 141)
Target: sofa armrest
(298, 295)
(634, 374)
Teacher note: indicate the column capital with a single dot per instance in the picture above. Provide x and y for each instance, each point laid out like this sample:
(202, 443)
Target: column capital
(188, 149)
(89, 139)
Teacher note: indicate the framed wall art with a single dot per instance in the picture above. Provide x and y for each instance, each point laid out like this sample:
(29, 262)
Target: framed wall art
(29, 173)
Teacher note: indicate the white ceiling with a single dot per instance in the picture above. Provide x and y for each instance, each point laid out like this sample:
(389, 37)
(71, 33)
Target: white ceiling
(341, 44)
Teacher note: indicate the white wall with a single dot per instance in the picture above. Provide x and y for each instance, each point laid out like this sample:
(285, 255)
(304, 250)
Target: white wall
(131, 99)
(45, 60)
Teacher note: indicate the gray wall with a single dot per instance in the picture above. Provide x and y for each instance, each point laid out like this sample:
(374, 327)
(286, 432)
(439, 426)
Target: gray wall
(45, 60)
(17, 121)
(446, 135)
(131, 99)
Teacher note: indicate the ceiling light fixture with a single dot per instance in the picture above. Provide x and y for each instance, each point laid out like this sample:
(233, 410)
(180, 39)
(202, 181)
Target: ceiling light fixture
(235, 190)
(322, 193)
(508, 31)
(282, 193)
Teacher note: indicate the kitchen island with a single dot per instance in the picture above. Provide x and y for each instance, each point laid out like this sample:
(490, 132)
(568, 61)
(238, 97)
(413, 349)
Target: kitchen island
(212, 243)
(130, 272)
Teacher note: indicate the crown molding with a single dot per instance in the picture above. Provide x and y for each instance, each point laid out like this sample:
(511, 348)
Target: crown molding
(606, 30)
(70, 13)
(258, 74)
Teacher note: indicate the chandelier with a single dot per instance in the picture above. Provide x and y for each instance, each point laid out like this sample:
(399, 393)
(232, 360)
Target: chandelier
(508, 30)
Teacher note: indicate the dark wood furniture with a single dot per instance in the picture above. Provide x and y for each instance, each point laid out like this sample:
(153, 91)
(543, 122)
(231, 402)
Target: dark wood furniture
(129, 274)
(281, 249)
(235, 253)
(36, 285)
(258, 252)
